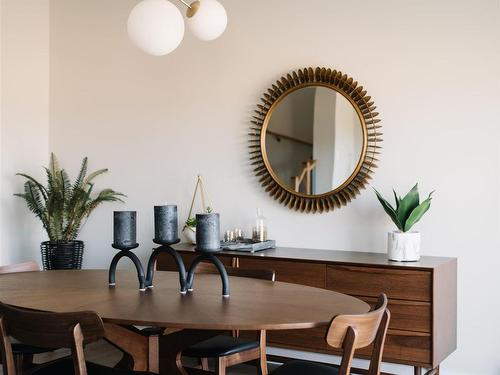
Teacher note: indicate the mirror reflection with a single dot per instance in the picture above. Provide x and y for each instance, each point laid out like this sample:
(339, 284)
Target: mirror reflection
(314, 140)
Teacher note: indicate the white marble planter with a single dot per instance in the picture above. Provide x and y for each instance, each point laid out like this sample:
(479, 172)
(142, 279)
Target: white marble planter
(190, 234)
(403, 246)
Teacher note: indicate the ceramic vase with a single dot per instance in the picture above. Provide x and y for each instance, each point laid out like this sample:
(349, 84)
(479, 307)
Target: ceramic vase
(190, 233)
(403, 246)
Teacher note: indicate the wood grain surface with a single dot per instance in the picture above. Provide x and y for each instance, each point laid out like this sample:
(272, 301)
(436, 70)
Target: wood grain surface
(253, 305)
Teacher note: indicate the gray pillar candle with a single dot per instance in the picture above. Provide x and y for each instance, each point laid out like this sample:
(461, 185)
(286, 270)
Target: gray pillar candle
(166, 227)
(124, 229)
(207, 232)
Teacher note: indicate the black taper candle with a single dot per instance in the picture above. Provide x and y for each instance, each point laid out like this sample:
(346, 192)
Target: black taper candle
(166, 224)
(124, 229)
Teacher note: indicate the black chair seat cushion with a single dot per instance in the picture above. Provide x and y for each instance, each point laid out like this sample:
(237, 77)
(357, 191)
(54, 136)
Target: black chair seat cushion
(152, 331)
(18, 348)
(305, 368)
(219, 346)
(66, 367)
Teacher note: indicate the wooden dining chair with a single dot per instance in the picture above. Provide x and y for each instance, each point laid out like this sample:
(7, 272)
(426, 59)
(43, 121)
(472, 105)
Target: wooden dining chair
(23, 354)
(348, 333)
(30, 266)
(232, 350)
(53, 330)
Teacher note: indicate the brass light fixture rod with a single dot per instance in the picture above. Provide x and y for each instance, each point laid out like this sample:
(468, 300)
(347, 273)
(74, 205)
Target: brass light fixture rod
(186, 4)
(192, 8)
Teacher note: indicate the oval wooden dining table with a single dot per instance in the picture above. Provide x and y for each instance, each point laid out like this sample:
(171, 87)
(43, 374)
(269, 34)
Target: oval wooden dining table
(253, 305)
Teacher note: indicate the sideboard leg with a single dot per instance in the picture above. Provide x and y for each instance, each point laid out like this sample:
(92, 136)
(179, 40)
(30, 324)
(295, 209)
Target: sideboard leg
(417, 370)
(434, 371)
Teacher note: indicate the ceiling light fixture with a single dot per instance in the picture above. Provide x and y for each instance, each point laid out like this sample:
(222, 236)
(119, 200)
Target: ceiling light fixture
(157, 26)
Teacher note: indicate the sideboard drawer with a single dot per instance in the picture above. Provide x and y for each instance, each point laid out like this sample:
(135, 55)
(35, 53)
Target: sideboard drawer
(401, 347)
(404, 346)
(310, 274)
(407, 315)
(370, 282)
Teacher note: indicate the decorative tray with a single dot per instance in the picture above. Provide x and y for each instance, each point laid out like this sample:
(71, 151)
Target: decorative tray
(248, 245)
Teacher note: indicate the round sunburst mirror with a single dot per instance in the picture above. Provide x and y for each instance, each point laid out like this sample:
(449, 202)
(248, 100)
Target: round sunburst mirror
(314, 139)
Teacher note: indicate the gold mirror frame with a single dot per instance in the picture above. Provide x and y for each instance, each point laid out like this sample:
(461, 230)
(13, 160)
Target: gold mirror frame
(363, 105)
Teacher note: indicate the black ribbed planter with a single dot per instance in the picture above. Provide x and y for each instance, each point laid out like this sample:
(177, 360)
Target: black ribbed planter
(62, 256)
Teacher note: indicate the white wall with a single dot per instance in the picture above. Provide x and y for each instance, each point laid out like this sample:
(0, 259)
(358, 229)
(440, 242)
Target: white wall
(24, 126)
(432, 68)
(2, 253)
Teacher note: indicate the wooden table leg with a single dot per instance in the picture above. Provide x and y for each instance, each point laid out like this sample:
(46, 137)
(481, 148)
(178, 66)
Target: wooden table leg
(23, 362)
(142, 349)
(417, 370)
(173, 343)
(157, 354)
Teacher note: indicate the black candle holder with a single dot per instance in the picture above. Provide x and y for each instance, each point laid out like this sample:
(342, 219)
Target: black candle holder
(186, 279)
(166, 249)
(209, 256)
(124, 239)
(125, 251)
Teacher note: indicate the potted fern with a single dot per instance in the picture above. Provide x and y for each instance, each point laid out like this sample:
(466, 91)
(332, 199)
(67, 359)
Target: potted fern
(63, 208)
(403, 245)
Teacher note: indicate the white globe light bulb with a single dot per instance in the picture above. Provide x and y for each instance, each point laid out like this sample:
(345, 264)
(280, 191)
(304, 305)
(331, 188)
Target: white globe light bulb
(207, 19)
(156, 26)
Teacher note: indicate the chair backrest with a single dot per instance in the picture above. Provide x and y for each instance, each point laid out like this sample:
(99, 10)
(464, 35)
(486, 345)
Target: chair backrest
(48, 330)
(270, 275)
(351, 332)
(20, 267)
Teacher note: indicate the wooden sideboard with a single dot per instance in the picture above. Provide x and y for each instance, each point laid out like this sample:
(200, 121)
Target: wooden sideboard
(422, 297)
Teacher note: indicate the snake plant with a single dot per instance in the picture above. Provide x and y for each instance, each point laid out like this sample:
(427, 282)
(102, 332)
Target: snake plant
(62, 206)
(408, 210)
